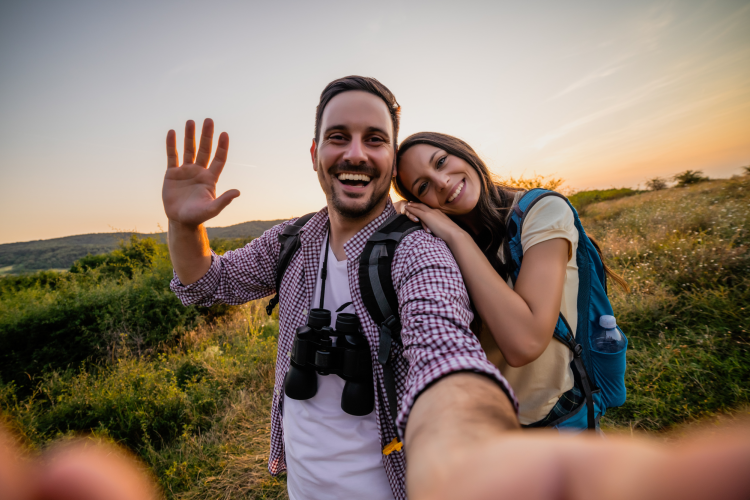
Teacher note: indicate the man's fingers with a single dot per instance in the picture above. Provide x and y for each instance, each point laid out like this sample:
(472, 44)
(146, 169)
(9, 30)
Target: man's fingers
(222, 201)
(207, 137)
(220, 158)
(172, 159)
(189, 154)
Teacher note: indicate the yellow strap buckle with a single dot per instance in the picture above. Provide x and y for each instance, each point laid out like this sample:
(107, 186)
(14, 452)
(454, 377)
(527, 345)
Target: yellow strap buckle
(394, 445)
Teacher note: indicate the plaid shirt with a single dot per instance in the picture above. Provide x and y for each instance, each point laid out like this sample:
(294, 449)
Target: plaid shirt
(433, 306)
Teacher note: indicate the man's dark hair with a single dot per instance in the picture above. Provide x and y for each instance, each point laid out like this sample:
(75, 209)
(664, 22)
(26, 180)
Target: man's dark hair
(365, 84)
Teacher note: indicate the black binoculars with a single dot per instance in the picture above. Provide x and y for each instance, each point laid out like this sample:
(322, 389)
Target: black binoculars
(313, 352)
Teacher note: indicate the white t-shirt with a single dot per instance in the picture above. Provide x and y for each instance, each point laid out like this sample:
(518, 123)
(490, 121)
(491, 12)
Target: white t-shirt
(329, 453)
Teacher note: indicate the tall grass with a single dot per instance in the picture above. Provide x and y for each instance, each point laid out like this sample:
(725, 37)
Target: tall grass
(684, 252)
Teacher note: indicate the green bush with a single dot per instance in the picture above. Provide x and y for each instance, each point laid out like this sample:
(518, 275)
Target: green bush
(582, 199)
(689, 177)
(52, 321)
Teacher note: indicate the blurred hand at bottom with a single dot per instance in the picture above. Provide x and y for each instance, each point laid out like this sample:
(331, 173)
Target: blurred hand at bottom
(76, 470)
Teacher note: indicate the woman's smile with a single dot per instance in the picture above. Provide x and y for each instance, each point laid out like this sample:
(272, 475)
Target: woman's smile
(440, 180)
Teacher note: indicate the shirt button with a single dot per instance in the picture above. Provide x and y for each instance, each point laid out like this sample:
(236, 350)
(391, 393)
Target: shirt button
(276, 391)
(304, 311)
(289, 354)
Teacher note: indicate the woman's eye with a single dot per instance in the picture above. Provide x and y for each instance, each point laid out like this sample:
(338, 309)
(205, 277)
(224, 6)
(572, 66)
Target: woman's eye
(441, 161)
(421, 189)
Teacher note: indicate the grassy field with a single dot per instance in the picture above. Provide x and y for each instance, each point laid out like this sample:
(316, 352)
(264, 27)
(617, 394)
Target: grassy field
(194, 401)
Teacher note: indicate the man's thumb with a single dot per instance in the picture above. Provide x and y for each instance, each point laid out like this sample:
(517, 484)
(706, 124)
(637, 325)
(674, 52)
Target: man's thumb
(222, 201)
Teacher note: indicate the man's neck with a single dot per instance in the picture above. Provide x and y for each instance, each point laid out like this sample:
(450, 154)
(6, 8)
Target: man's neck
(344, 228)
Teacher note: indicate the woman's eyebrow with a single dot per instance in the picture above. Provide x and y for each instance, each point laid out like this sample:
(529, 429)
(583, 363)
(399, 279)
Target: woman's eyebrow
(413, 183)
(433, 155)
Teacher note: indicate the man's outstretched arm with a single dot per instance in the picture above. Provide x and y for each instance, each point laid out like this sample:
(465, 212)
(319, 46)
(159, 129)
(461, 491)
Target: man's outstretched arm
(449, 419)
(189, 196)
(462, 442)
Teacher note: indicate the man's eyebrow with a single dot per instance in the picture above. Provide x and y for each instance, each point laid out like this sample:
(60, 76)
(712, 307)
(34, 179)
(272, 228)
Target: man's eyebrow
(335, 127)
(378, 130)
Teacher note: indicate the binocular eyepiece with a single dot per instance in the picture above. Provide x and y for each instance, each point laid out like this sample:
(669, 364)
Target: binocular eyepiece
(313, 351)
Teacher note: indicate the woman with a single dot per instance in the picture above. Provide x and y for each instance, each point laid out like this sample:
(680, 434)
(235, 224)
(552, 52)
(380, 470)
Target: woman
(451, 192)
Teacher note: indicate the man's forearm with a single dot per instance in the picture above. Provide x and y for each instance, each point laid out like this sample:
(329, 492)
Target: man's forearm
(190, 251)
(447, 422)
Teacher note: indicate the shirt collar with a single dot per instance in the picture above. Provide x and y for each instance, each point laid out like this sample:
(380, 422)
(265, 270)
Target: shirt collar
(315, 230)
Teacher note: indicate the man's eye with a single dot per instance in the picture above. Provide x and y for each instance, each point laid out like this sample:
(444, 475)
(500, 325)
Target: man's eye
(421, 189)
(377, 139)
(336, 137)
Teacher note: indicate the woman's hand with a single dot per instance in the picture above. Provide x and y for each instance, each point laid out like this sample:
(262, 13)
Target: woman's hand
(434, 221)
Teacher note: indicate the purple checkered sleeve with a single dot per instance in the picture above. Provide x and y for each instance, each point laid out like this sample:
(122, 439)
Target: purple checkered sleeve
(238, 276)
(435, 317)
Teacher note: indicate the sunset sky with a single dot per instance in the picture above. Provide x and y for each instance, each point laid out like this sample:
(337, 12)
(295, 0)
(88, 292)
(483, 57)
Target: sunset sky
(601, 93)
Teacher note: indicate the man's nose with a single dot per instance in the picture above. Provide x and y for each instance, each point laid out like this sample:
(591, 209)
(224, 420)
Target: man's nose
(355, 153)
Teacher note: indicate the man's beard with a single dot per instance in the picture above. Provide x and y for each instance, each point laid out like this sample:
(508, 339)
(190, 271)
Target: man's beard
(356, 212)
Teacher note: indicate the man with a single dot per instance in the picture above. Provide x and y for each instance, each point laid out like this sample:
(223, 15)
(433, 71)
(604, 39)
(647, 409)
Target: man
(328, 453)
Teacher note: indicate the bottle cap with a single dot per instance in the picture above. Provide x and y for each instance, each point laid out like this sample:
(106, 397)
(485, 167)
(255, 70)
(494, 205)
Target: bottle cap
(608, 322)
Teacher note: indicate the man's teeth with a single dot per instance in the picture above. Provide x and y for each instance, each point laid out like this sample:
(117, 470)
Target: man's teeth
(456, 192)
(354, 177)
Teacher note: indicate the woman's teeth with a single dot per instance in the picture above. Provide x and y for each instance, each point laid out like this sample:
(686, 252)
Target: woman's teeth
(354, 177)
(456, 192)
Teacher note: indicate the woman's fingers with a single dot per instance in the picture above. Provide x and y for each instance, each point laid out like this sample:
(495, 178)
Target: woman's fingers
(410, 215)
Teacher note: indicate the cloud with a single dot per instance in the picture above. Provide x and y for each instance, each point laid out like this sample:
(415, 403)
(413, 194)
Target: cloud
(604, 72)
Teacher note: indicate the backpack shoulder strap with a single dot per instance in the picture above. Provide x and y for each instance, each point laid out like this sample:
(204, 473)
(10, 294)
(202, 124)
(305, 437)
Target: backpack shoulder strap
(381, 301)
(289, 240)
(375, 262)
(515, 225)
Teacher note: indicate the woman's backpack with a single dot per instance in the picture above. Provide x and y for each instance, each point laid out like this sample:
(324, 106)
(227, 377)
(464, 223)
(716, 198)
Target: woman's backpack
(600, 376)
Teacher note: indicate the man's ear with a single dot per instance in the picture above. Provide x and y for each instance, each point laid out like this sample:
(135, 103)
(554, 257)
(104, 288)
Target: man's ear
(313, 152)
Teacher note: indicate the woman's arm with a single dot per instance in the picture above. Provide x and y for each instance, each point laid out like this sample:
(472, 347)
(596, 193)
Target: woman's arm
(521, 321)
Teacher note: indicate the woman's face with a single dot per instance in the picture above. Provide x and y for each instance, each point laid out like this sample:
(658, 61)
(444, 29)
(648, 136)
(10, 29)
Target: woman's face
(440, 180)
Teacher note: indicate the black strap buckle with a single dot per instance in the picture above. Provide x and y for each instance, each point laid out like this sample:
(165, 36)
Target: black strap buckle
(271, 304)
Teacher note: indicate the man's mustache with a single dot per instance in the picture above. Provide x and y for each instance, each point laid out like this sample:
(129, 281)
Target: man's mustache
(353, 169)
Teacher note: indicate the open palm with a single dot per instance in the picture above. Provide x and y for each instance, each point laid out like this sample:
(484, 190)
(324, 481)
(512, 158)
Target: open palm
(189, 191)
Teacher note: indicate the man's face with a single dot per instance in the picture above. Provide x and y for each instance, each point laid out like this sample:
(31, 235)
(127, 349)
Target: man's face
(354, 154)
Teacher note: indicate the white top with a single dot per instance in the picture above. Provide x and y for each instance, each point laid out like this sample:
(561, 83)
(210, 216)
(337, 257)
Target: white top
(539, 384)
(329, 453)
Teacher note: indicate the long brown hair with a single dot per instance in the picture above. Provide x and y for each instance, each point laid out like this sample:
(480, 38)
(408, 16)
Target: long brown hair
(495, 200)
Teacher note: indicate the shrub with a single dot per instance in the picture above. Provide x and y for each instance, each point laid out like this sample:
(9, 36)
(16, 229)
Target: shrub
(656, 184)
(689, 177)
(582, 199)
(538, 181)
(137, 253)
(109, 302)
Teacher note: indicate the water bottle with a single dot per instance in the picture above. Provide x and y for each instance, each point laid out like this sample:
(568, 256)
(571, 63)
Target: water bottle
(607, 338)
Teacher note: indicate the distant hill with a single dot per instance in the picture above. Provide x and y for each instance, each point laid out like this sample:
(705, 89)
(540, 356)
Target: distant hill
(60, 253)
